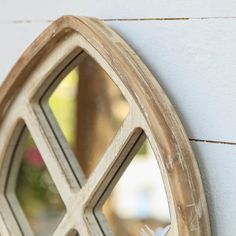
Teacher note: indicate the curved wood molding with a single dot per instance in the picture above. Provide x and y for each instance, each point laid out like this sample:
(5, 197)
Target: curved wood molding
(50, 56)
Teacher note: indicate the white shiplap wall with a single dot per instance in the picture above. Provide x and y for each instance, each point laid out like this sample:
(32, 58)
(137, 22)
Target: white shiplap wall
(189, 45)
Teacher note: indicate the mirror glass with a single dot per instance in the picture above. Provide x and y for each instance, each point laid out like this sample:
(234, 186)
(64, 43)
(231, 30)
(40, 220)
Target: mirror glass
(89, 109)
(35, 189)
(138, 203)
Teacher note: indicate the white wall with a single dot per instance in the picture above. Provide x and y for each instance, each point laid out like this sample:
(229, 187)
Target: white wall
(190, 46)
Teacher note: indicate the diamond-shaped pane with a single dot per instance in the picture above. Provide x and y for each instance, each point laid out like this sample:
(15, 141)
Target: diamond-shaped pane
(89, 109)
(138, 204)
(34, 189)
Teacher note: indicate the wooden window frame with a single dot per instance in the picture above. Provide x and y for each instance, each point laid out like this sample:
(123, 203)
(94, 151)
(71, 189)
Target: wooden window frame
(50, 57)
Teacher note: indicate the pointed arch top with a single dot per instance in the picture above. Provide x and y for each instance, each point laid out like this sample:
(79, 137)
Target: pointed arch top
(65, 39)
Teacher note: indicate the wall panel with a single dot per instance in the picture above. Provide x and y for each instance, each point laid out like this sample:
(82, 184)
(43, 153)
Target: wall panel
(217, 163)
(112, 9)
(194, 60)
(15, 38)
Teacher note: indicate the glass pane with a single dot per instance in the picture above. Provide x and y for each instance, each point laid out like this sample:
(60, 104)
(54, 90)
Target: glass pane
(72, 232)
(35, 189)
(138, 203)
(89, 109)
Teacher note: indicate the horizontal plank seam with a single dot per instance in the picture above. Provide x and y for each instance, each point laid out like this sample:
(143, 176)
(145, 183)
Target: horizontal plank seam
(212, 141)
(148, 19)
(121, 19)
(25, 21)
(170, 18)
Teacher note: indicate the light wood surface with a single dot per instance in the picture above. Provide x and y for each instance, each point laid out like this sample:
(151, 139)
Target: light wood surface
(48, 59)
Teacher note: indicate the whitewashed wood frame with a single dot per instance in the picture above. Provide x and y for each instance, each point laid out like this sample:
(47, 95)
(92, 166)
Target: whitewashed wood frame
(23, 102)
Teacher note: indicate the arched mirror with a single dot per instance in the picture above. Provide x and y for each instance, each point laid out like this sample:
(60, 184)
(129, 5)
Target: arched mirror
(90, 143)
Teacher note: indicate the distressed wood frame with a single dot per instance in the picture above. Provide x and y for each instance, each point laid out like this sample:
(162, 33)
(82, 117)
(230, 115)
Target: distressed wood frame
(50, 57)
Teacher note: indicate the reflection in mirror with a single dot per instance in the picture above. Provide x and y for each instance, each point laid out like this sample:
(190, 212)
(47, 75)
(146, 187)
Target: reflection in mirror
(35, 189)
(72, 232)
(89, 109)
(138, 203)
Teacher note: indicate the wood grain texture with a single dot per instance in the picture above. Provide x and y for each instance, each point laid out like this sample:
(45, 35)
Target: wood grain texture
(151, 112)
(46, 10)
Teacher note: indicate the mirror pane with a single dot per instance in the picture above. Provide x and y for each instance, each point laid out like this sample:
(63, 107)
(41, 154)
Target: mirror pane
(138, 203)
(35, 189)
(89, 109)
